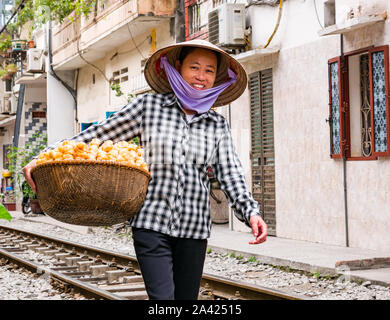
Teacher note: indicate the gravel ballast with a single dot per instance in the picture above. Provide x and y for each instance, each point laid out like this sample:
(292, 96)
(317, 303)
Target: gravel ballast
(222, 264)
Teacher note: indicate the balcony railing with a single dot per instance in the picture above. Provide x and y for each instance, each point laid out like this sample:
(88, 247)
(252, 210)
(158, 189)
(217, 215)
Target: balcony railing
(105, 29)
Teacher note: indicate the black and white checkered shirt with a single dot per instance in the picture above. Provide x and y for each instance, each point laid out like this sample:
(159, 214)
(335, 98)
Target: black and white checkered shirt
(178, 154)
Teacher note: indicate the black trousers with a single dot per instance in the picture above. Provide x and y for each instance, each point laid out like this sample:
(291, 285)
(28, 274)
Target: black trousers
(171, 267)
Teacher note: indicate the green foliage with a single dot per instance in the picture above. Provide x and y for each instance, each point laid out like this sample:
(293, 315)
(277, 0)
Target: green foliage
(82, 8)
(41, 11)
(4, 214)
(232, 255)
(135, 141)
(19, 157)
(11, 67)
(253, 259)
(208, 250)
(130, 97)
(3, 72)
(5, 42)
(117, 88)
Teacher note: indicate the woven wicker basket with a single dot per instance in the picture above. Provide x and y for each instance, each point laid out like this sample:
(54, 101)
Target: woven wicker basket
(90, 193)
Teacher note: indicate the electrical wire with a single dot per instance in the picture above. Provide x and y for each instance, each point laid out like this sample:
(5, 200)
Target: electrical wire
(21, 5)
(318, 18)
(131, 35)
(277, 24)
(89, 63)
(136, 47)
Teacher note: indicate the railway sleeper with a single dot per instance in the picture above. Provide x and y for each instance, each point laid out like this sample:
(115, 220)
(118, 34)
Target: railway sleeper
(84, 265)
(133, 295)
(24, 244)
(131, 279)
(12, 249)
(71, 261)
(123, 287)
(100, 269)
(116, 275)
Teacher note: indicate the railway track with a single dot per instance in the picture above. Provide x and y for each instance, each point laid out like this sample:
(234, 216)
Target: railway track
(102, 274)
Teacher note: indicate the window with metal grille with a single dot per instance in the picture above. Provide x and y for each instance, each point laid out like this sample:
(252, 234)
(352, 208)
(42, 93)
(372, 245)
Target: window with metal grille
(359, 104)
(86, 125)
(120, 76)
(194, 18)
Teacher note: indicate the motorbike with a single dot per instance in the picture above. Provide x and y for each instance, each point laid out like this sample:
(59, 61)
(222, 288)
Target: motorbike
(29, 205)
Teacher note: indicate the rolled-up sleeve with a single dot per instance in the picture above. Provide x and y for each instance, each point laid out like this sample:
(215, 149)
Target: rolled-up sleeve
(228, 171)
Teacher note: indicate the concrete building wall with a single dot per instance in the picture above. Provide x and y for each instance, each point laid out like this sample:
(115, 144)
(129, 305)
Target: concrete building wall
(309, 185)
(60, 110)
(95, 100)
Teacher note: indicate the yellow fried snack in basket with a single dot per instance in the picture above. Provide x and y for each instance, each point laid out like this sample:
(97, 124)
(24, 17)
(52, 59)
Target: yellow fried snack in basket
(121, 152)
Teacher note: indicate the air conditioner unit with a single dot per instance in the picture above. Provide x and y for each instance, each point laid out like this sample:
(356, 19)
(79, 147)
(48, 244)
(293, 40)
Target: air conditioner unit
(34, 60)
(227, 25)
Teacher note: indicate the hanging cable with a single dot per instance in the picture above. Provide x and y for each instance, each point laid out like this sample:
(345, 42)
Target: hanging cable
(132, 39)
(277, 24)
(318, 18)
(21, 6)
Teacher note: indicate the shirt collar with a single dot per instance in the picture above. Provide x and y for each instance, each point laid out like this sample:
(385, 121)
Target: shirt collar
(171, 100)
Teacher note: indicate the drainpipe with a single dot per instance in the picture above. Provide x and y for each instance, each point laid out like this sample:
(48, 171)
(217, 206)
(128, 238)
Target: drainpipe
(180, 22)
(344, 155)
(72, 91)
(230, 209)
(18, 115)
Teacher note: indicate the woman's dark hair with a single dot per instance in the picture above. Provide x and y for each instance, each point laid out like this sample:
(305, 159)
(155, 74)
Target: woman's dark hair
(185, 51)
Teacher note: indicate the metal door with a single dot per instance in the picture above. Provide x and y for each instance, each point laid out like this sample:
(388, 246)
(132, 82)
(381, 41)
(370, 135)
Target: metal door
(262, 145)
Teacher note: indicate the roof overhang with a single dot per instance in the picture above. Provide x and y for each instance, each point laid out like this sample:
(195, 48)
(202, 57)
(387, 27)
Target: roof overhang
(32, 78)
(5, 122)
(254, 54)
(352, 24)
(107, 42)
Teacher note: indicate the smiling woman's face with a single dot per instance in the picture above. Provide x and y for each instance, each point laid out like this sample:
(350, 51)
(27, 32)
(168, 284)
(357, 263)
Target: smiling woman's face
(199, 68)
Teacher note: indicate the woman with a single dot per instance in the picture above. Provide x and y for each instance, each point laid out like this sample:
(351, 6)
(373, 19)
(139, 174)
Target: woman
(182, 137)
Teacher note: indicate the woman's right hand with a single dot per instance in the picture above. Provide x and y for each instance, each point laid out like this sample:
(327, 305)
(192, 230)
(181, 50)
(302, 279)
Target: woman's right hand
(27, 174)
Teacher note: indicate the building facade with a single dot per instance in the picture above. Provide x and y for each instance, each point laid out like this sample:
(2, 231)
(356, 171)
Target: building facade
(312, 129)
(287, 127)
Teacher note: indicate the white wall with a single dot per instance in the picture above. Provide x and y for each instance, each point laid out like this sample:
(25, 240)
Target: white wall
(95, 100)
(309, 185)
(60, 110)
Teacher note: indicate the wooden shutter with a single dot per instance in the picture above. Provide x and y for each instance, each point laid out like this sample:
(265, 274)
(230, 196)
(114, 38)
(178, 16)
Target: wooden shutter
(262, 142)
(379, 86)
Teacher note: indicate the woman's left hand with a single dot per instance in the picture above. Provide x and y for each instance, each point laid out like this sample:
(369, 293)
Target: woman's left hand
(259, 229)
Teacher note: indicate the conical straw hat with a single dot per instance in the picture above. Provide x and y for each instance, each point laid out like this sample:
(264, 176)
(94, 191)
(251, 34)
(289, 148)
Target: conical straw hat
(158, 81)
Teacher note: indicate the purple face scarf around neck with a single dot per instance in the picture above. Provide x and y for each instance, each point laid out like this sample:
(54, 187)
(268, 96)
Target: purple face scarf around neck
(192, 99)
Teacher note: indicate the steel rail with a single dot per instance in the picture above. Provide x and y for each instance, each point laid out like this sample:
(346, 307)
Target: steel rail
(212, 286)
(84, 288)
(225, 288)
(105, 255)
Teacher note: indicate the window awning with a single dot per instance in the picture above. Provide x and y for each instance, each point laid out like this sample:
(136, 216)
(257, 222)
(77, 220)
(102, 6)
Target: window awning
(7, 121)
(253, 54)
(352, 24)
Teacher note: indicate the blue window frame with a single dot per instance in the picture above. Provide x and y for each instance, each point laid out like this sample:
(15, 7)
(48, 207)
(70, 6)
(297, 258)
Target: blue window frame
(109, 113)
(86, 125)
